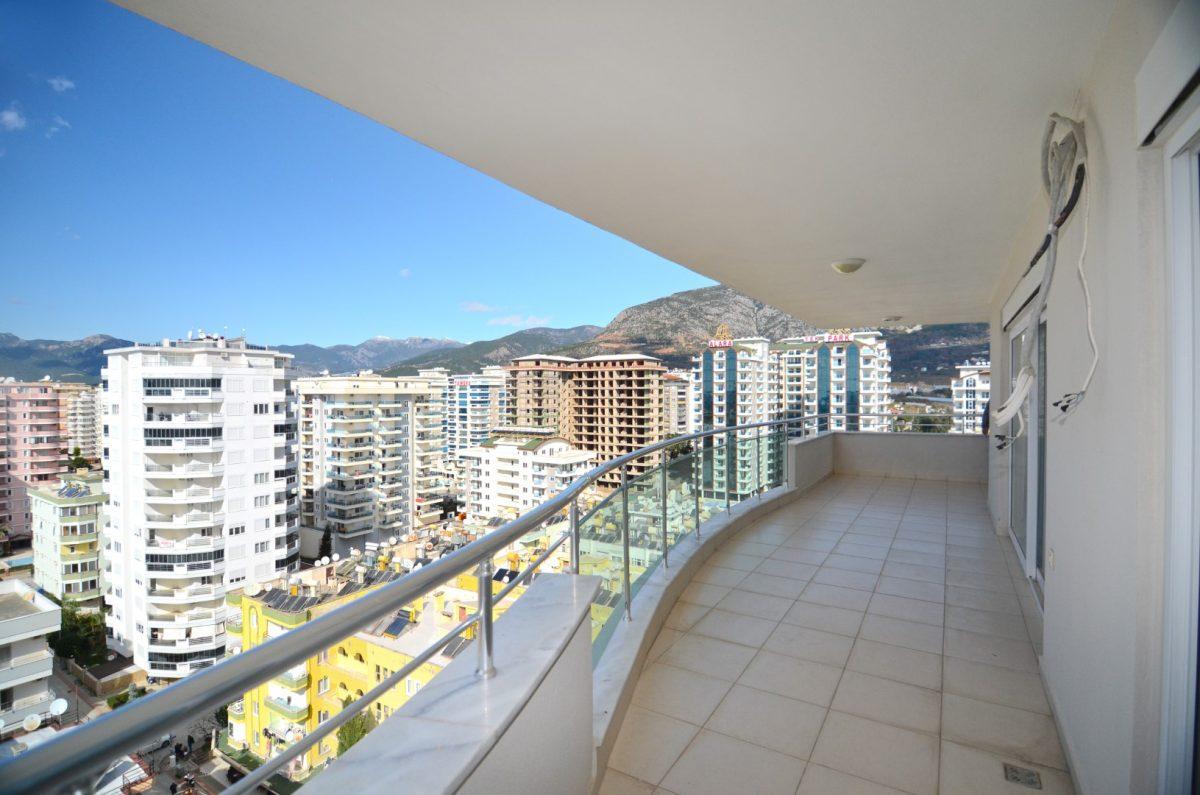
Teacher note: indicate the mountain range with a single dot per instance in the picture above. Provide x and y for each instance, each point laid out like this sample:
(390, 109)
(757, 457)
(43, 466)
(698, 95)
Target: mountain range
(673, 328)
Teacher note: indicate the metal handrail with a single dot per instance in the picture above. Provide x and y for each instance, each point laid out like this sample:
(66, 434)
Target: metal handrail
(92, 747)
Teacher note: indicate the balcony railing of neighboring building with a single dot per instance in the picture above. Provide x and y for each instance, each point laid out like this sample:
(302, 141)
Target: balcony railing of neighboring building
(626, 536)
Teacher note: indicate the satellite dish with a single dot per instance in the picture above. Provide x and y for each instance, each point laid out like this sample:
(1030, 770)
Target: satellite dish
(336, 557)
(58, 706)
(289, 736)
(392, 540)
(31, 722)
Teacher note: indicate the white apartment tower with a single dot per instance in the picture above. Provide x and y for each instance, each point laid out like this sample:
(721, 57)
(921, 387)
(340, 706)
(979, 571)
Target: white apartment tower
(474, 403)
(370, 448)
(971, 390)
(517, 469)
(736, 382)
(837, 376)
(198, 455)
(80, 411)
(678, 402)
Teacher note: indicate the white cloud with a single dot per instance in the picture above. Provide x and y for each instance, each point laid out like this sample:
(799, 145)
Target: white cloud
(60, 83)
(477, 306)
(518, 321)
(405, 273)
(12, 119)
(57, 125)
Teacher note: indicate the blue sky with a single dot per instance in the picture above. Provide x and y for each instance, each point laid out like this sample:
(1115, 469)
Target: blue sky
(151, 185)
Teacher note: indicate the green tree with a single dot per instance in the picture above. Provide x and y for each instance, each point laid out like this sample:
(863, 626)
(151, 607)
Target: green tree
(354, 729)
(80, 636)
(77, 461)
(326, 550)
(932, 423)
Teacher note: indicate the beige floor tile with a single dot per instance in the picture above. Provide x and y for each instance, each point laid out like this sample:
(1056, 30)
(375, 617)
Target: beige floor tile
(912, 589)
(719, 575)
(833, 596)
(734, 627)
(792, 677)
(818, 545)
(710, 656)
(916, 558)
(978, 772)
(985, 622)
(992, 650)
(666, 638)
(908, 571)
(961, 563)
(867, 539)
(888, 701)
(898, 632)
(793, 555)
(1019, 689)
(781, 724)
(852, 563)
(755, 604)
(896, 662)
(617, 783)
(844, 578)
(820, 780)
(734, 560)
(861, 550)
(992, 552)
(810, 644)
(908, 609)
(1000, 583)
(982, 600)
(927, 547)
(719, 764)
(758, 582)
(649, 743)
(785, 568)
(678, 693)
(684, 615)
(827, 619)
(700, 593)
(743, 546)
(888, 755)
(1029, 736)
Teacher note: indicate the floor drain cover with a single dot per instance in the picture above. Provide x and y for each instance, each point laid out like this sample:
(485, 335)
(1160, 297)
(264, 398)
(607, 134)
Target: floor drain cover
(1023, 776)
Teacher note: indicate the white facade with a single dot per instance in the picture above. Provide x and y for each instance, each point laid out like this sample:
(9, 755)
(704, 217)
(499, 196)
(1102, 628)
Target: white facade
(201, 494)
(26, 662)
(837, 374)
(368, 448)
(971, 390)
(678, 402)
(474, 403)
(66, 537)
(512, 473)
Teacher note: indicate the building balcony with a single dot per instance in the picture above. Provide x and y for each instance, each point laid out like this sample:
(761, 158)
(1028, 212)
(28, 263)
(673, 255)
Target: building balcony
(190, 595)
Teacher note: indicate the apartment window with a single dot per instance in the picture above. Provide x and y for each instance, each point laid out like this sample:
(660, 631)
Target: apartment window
(262, 501)
(323, 656)
(411, 686)
(323, 685)
(262, 408)
(237, 530)
(261, 477)
(262, 546)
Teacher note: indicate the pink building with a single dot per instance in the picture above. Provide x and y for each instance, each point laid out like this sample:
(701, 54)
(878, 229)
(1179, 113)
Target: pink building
(33, 446)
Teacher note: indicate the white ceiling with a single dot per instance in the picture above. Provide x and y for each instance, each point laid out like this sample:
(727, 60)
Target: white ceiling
(753, 142)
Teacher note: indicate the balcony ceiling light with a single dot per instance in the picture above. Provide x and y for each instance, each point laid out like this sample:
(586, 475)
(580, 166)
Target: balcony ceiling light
(847, 266)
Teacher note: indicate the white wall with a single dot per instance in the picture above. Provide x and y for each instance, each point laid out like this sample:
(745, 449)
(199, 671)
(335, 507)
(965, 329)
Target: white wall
(927, 456)
(1106, 462)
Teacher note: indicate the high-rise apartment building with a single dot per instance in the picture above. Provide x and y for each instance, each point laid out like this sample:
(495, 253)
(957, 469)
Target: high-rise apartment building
(370, 450)
(81, 415)
(66, 537)
(537, 390)
(517, 469)
(842, 374)
(199, 458)
(737, 382)
(614, 406)
(474, 404)
(26, 663)
(33, 448)
(677, 402)
(971, 391)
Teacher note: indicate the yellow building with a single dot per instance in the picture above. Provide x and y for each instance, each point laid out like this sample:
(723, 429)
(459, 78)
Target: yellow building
(284, 709)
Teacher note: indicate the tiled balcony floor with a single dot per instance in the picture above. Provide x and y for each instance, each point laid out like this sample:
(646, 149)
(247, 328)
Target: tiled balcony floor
(868, 638)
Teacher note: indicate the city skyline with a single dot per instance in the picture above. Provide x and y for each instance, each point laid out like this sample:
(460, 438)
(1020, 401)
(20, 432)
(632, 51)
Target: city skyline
(180, 188)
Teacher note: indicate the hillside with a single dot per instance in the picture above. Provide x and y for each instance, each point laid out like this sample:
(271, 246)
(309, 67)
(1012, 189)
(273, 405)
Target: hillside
(676, 327)
(62, 360)
(929, 354)
(472, 357)
(375, 353)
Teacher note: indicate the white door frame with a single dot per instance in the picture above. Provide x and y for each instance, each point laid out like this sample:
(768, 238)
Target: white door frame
(1028, 556)
(1181, 594)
